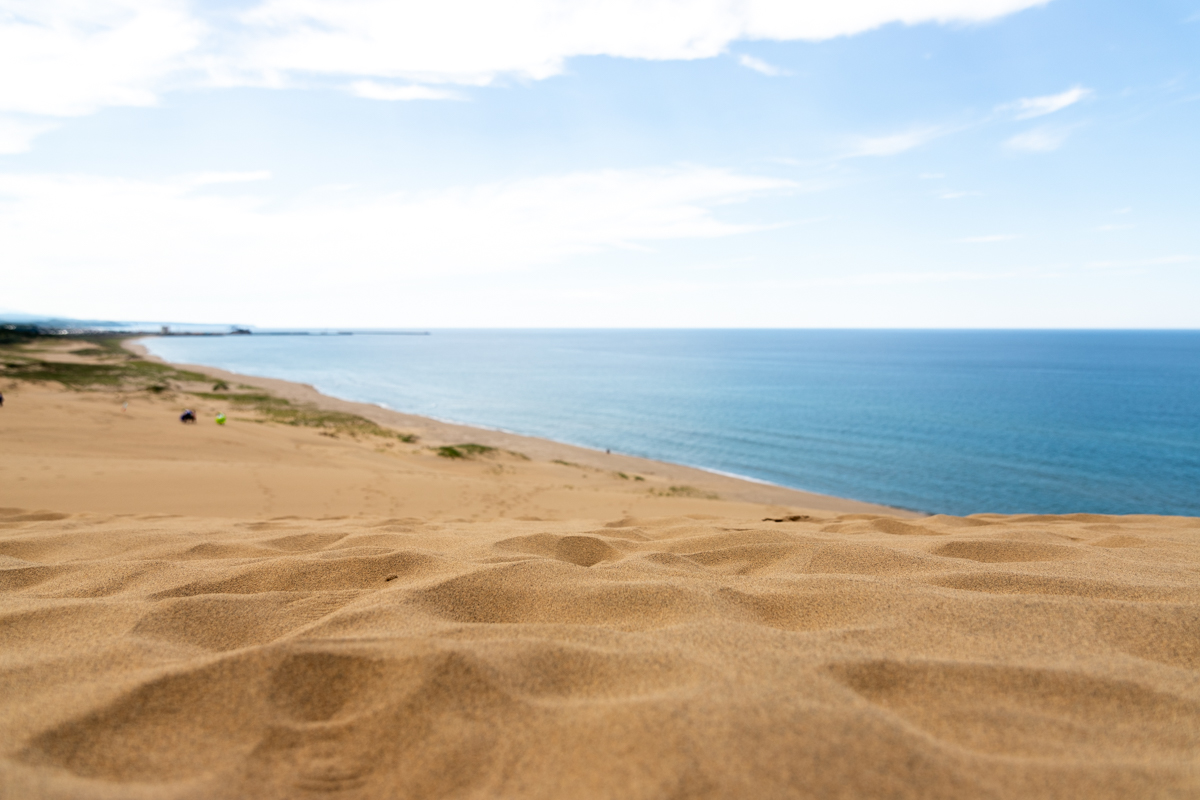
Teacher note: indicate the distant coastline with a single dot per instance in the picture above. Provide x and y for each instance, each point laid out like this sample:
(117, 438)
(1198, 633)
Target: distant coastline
(438, 432)
(954, 422)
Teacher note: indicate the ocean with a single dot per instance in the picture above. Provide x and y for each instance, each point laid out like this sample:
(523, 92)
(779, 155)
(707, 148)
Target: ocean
(954, 422)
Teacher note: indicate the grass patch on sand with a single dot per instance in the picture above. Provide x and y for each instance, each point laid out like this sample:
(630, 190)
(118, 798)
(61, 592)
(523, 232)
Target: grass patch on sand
(17, 334)
(568, 463)
(471, 450)
(464, 450)
(685, 491)
(115, 368)
(29, 356)
(131, 372)
(623, 476)
(276, 409)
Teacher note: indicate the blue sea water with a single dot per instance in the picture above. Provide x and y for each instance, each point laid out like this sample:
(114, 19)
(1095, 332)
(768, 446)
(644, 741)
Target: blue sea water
(955, 422)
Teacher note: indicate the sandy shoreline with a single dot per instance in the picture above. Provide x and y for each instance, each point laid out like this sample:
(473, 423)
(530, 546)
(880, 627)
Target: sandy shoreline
(436, 432)
(275, 610)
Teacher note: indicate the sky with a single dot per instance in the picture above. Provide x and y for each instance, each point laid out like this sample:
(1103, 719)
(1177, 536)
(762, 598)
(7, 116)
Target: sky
(603, 163)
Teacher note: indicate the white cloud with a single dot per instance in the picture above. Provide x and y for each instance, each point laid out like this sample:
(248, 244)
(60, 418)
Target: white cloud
(987, 239)
(382, 91)
(72, 234)
(901, 278)
(16, 135)
(758, 65)
(958, 195)
(468, 41)
(1038, 140)
(1030, 107)
(207, 178)
(1114, 227)
(71, 57)
(75, 56)
(892, 144)
(1144, 262)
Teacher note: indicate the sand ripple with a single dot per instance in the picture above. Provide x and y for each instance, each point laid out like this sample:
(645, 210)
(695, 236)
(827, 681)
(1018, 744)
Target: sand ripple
(855, 656)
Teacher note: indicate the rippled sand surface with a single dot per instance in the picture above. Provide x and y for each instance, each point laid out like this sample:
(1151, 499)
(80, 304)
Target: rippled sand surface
(851, 656)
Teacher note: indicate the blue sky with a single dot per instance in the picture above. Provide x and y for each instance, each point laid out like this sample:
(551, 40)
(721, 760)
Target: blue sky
(919, 163)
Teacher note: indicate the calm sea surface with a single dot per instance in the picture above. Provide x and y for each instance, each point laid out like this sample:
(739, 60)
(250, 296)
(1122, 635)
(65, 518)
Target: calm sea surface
(943, 421)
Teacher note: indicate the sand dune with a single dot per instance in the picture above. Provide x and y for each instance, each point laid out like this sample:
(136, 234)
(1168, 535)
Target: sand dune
(261, 611)
(667, 657)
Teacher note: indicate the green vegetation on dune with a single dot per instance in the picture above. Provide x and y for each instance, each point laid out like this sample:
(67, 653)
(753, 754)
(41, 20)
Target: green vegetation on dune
(276, 409)
(134, 373)
(91, 351)
(115, 369)
(17, 334)
(471, 450)
(258, 400)
(464, 450)
(616, 474)
(684, 491)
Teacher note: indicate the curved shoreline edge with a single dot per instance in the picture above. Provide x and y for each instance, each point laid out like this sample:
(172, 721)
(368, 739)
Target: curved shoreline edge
(433, 432)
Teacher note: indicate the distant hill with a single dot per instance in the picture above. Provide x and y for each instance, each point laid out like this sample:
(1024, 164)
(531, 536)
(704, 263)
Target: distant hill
(45, 321)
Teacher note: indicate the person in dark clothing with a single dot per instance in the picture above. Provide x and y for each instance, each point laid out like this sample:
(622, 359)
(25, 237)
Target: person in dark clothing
(187, 416)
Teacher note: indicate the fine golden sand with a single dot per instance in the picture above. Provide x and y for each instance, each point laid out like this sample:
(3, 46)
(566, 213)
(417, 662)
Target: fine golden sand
(270, 611)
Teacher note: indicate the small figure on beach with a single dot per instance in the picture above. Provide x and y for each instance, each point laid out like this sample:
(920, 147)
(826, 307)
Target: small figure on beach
(187, 416)
(221, 418)
(1, 399)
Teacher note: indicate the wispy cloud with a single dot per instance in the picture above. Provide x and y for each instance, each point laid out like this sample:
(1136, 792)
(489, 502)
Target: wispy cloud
(267, 247)
(1039, 140)
(1000, 237)
(382, 91)
(931, 176)
(892, 144)
(1030, 107)
(958, 195)
(209, 178)
(17, 135)
(758, 65)
(1114, 227)
(902, 278)
(75, 57)
(1144, 262)
(456, 39)
(65, 58)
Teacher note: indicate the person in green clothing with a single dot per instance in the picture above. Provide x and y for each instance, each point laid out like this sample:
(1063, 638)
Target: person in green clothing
(221, 418)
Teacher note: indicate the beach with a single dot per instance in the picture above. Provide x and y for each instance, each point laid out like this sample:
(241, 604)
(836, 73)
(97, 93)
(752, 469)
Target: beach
(324, 598)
